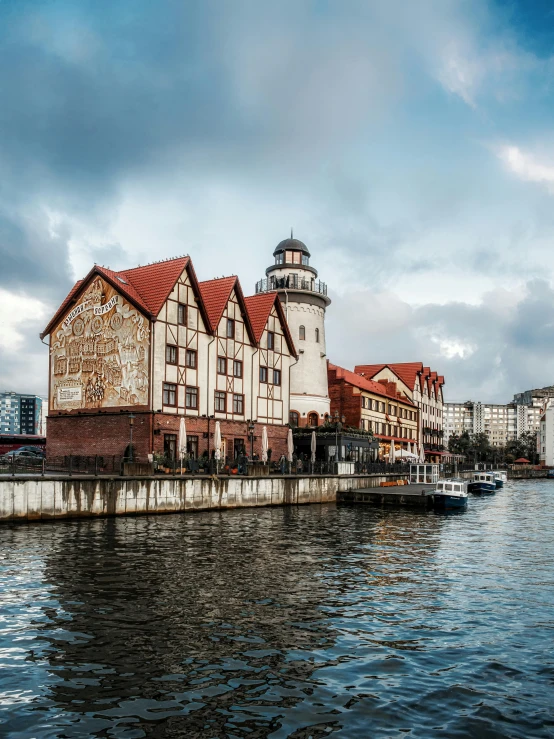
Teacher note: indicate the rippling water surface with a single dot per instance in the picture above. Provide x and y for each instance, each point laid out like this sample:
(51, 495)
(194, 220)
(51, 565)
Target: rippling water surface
(285, 622)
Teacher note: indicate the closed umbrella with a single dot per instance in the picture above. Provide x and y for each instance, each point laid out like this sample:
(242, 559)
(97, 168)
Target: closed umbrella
(290, 446)
(392, 452)
(313, 446)
(217, 441)
(265, 444)
(409, 449)
(182, 440)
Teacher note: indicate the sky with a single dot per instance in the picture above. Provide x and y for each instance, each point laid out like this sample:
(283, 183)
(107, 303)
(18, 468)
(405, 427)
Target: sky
(409, 143)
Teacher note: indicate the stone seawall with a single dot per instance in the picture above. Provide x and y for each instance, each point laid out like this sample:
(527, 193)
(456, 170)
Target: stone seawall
(38, 498)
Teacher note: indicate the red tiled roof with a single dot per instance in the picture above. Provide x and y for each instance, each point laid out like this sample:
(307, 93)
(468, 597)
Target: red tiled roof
(373, 387)
(146, 287)
(259, 307)
(154, 282)
(405, 371)
(216, 294)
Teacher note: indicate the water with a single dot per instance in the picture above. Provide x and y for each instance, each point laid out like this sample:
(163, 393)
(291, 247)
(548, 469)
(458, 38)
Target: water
(286, 622)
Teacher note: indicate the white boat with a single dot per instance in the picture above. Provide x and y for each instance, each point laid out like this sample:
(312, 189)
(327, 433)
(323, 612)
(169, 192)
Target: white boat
(450, 494)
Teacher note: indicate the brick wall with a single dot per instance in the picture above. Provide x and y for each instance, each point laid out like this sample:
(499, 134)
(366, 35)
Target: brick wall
(105, 434)
(230, 430)
(345, 401)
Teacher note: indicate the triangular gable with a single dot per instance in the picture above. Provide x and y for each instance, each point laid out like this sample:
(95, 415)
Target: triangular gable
(353, 378)
(216, 294)
(147, 288)
(259, 309)
(370, 371)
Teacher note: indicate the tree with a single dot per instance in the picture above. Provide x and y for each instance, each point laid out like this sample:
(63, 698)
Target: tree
(459, 444)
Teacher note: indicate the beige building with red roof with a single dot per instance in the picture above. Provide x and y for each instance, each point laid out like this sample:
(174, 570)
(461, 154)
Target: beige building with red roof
(156, 342)
(424, 388)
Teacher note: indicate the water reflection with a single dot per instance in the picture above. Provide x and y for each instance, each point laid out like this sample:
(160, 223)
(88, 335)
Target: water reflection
(278, 622)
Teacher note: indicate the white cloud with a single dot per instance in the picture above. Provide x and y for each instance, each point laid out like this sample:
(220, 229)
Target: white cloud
(16, 312)
(527, 167)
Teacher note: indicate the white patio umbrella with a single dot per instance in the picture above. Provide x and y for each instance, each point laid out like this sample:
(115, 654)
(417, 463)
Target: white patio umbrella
(182, 440)
(421, 447)
(392, 452)
(265, 444)
(217, 441)
(290, 446)
(313, 446)
(409, 449)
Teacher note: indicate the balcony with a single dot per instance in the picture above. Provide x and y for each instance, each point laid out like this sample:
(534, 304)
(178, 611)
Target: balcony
(292, 282)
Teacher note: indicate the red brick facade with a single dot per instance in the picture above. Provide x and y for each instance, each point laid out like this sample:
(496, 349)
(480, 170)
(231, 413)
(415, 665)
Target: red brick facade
(108, 434)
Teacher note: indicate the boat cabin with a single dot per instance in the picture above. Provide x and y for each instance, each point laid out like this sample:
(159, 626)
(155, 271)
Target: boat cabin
(484, 477)
(424, 473)
(451, 487)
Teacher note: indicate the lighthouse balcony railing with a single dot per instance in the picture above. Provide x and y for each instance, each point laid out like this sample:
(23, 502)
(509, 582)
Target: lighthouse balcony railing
(293, 282)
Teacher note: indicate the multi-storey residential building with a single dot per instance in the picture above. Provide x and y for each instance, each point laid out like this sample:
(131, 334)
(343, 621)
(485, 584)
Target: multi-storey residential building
(501, 423)
(425, 389)
(20, 413)
(142, 348)
(305, 300)
(379, 407)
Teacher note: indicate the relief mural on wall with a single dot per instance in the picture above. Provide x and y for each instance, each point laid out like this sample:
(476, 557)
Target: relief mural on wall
(100, 353)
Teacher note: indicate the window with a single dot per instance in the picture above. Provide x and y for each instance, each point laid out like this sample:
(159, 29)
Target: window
(263, 374)
(230, 328)
(221, 366)
(169, 394)
(238, 403)
(279, 258)
(192, 446)
(294, 418)
(191, 397)
(171, 354)
(170, 446)
(237, 368)
(270, 340)
(182, 314)
(220, 401)
(276, 377)
(317, 335)
(313, 419)
(190, 359)
(302, 333)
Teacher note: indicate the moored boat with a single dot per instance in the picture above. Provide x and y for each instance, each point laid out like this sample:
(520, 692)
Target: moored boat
(483, 482)
(498, 480)
(450, 494)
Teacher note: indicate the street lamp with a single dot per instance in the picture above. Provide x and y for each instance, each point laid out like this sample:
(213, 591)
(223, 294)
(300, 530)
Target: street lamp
(251, 429)
(131, 424)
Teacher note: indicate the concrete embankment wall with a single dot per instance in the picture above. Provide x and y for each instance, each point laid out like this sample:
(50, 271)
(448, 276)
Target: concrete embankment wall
(30, 499)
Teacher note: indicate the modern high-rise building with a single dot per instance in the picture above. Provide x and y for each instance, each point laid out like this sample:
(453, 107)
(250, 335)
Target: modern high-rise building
(305, 300)
(20, 414)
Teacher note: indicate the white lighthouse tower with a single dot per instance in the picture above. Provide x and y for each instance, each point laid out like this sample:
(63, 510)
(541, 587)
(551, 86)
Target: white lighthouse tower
(304, 299)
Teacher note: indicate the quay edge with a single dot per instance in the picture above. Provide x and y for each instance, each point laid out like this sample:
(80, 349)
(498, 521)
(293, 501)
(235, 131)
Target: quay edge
(49, 498)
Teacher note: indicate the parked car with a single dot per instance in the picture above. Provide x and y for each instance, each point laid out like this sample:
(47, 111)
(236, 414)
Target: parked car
(20, 454)
(38, 450)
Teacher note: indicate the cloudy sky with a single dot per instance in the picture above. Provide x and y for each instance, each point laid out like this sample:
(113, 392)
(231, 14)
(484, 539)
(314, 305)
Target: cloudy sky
(410, 143)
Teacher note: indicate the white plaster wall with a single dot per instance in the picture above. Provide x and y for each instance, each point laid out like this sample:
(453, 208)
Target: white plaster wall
(309, 374)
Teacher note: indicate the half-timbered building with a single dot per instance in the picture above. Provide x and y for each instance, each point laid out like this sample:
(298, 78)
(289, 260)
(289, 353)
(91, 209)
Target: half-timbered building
(139, 349)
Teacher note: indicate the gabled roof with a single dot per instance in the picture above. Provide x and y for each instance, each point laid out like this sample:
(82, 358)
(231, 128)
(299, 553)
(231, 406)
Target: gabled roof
(405, 371)
(146, 287)
(215, 295)
(154, 282)
(259, 308)
(352, 378)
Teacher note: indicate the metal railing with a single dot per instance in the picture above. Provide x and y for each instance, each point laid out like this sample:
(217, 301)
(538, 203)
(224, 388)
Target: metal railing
(116, 466)
(292, 282)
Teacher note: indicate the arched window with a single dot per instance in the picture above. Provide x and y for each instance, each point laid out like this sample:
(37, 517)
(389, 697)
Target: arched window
(294, 419)
(313, 419)
(317, 335)
(302, 333)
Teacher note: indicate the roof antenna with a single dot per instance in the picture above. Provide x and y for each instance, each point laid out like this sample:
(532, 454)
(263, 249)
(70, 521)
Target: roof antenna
(291, 232)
